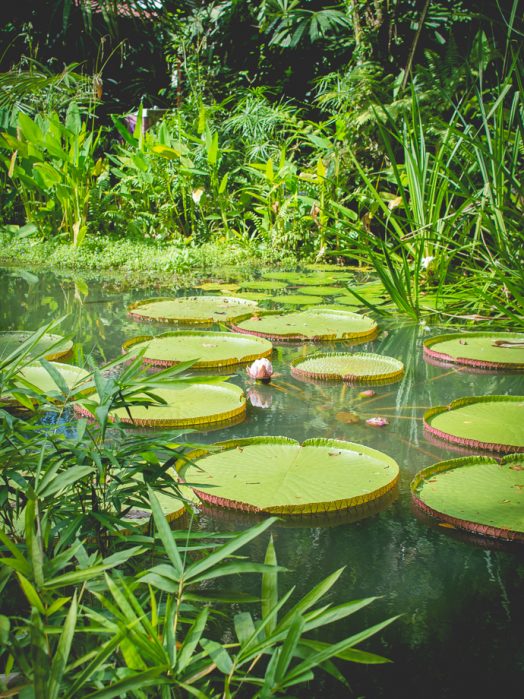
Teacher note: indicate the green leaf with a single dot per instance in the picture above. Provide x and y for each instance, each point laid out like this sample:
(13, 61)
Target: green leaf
(165, 534)
(193, 309)
(310, 598)
(213, 559)
(73, 122)
(355, 367)
(13, 549)
(192, 638)
(289, 647)
(50, 485)
(482, 494)
(317, 323)
(95, 663)
(133, 683)
(333, 650)
(46, 175)
(236, 569)
(483, 422)
(209, 349)
(29, 128)
(5, 626)
(218, 655)
(270, 587)
(353, 655)
(281, 476)
(223, 184)
(212, 147)
(61, 654)
(244, 627)
(31, 594)
(77, 576)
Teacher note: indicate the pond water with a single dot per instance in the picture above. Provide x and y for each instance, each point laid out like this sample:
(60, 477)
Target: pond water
(461, 599)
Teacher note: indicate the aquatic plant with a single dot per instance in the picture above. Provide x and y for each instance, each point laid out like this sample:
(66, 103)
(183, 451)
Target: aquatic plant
(205, 349)
(480, 494)
(316, 324)
(358, 367)
(260, 370)
(280, 476)
(192, 309)
(52, 164)
(493, 423)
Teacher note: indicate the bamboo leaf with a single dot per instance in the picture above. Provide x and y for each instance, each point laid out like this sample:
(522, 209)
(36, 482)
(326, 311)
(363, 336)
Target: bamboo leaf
(165, 534)
(270, 587)
(31, 594)
(218, 655)
(192, 639)
(61, 654)
(135, 682)
(229, 548)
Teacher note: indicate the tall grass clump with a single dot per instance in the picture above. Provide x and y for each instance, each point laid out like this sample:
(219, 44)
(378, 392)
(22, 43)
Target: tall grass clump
(444, 213)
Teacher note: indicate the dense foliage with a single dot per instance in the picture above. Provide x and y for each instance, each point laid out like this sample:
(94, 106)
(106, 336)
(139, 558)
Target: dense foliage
(384, 133)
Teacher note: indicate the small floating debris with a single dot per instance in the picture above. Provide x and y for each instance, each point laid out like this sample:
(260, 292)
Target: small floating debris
(377, 421)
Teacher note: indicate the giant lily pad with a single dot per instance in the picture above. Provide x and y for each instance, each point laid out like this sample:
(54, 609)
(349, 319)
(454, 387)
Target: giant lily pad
(485, 350)
(348, 300)
(192, 309)
(299, 278)
(476, 493)
(53, 346)
(221, 518)
(312, 324)
(319, 290)
(332, 269)
(263, 285)
(222, 287)
(298, 300)
(254, 295)
(186, 405)
(281, 476)
(37, 376)
(494, 423)
(359, 367)
(211, 349)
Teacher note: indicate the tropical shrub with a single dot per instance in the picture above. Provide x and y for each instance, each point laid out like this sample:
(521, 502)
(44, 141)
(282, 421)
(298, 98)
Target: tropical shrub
(53, 167)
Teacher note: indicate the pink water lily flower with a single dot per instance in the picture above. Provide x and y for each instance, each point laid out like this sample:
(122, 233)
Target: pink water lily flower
(260, 370)
(377, 421)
